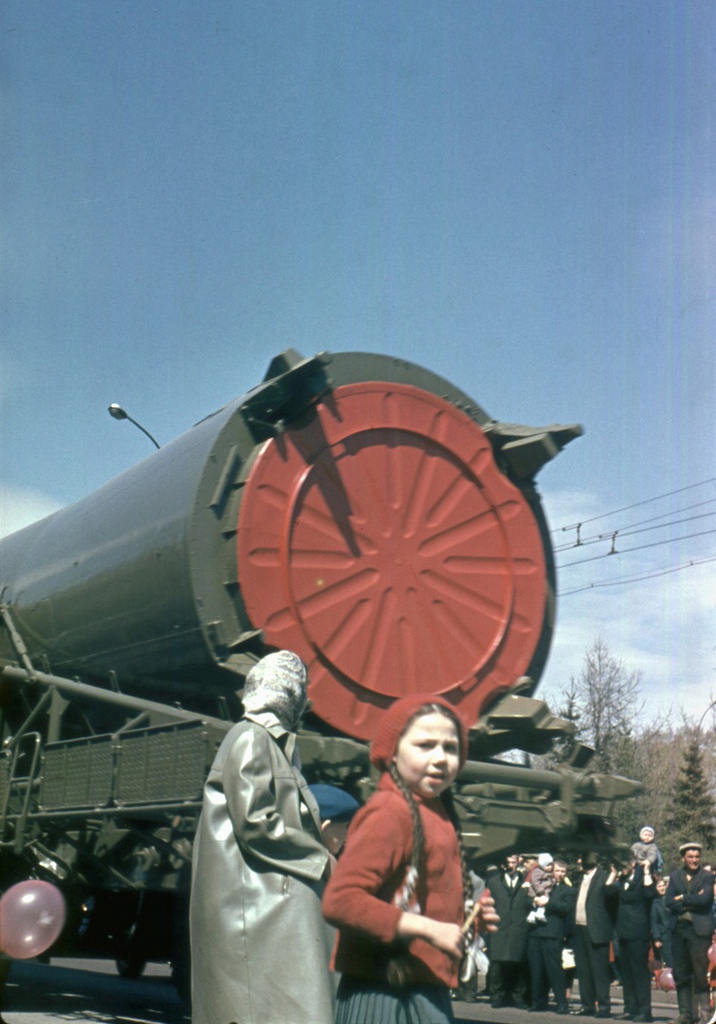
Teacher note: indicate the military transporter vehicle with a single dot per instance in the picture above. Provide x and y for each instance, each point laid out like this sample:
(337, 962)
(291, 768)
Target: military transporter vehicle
(352, 507)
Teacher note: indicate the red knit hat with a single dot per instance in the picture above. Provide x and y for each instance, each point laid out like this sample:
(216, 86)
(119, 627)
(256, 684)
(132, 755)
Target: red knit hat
(394, 721)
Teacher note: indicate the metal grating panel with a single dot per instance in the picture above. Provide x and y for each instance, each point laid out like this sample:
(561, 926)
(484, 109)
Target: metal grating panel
(77, 773)
(162, 764)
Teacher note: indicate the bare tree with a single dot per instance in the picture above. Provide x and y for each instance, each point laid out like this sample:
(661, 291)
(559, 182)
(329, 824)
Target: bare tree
(604, 704)
(568, 710)
(607, 698)
(675, 762)
(657, 757)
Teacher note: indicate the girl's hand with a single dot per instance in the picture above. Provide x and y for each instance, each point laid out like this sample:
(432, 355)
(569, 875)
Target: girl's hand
(441, 934)
(447, 937)
(488, 919)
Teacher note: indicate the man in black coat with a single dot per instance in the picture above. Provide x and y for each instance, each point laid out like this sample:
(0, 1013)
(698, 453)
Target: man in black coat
(689, 901)
(547, 942)
(592, 934)
(634, 892)
(507, 947)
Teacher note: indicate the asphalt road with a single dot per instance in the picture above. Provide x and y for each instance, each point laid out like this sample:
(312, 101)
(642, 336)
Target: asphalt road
(663, 1010)
(91, 990)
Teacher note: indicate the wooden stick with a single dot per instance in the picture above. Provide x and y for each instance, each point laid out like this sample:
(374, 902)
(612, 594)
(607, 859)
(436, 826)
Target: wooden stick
(471, 917)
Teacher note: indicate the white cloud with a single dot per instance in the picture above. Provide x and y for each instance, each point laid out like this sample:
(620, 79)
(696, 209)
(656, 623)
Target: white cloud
(21, 506)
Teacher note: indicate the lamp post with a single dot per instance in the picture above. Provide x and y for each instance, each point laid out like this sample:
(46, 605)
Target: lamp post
(118, 413)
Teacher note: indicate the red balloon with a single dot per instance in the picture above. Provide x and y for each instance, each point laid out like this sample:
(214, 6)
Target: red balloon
(32, 915)
(666, 980)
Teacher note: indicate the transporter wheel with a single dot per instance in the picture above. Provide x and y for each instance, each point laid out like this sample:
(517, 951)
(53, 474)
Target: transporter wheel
(131, 968)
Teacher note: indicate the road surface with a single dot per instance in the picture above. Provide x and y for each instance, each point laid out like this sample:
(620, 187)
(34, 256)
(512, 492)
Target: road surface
(91, 990)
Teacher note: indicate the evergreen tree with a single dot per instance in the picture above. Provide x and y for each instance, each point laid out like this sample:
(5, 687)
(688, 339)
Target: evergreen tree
(693, 808)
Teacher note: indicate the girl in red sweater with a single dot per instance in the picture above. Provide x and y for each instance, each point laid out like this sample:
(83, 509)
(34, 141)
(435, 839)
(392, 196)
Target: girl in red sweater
(398, 892)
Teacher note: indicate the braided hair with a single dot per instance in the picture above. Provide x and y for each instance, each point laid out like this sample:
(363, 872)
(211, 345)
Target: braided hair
(446, 797)
(399, 968)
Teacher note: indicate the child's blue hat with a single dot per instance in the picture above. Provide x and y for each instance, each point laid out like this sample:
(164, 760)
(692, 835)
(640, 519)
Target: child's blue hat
(334, 804)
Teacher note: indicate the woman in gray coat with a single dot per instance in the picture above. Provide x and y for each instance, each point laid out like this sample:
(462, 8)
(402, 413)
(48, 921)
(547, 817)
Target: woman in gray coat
(259, 948)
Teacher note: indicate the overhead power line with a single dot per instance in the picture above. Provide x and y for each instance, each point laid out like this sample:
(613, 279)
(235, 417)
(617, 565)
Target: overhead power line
(640, 547)
(627, 531)
(637, 504)
(583, 541)
(615, 538)
(638, 578)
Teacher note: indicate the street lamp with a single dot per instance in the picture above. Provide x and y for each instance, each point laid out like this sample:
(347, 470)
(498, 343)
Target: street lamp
(118, 413)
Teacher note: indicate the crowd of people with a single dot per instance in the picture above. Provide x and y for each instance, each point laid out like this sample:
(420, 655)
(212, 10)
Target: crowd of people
(601, 924)
(277, 895)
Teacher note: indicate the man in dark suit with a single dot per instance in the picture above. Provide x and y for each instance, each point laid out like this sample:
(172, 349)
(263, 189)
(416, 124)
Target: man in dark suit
(507, 947)
(634, 892)
(592, 934)
(547, 942)
(689, 901)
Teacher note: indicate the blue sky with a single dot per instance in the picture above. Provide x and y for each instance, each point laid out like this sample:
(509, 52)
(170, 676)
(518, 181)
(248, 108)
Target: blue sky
(520, 196)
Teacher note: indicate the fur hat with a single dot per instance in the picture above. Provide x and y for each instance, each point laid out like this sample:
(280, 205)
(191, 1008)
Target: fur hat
(395, 720)
(277, 683)
(652, 833)
(545, 859)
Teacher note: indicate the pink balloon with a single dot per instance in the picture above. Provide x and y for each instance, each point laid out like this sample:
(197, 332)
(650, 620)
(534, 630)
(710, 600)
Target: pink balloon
(666, 980)
(32, 915)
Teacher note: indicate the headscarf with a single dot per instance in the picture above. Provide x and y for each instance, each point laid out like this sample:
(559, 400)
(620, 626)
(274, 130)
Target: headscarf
(277, 683)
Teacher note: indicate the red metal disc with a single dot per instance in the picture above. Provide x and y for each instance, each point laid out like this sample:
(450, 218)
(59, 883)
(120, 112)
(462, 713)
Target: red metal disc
(378, 540)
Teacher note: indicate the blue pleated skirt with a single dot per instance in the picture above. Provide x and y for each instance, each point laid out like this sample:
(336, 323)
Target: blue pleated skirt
(360, 1002)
